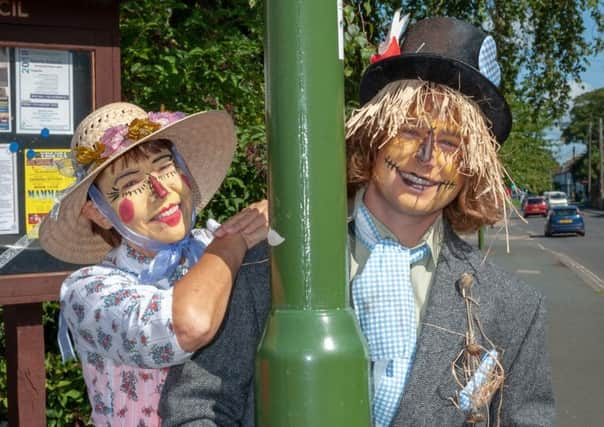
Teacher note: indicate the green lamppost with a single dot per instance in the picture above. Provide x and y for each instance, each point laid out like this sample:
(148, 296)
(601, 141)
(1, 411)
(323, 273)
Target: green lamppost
(312, 366)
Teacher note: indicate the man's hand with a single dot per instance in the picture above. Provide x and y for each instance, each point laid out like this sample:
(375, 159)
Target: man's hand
(251, 223)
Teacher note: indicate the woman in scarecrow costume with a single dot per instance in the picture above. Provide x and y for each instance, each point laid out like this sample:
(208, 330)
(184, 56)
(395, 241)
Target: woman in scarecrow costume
(157, 290)
(452, 339)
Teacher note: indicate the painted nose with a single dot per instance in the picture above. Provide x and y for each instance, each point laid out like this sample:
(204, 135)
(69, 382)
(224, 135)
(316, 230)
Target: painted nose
(424, 152)
(159, 190)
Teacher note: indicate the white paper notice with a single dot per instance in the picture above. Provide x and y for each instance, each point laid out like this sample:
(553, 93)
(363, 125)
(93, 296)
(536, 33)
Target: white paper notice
(44, 80)
(5, 117)
(9, 204)
(340, 30)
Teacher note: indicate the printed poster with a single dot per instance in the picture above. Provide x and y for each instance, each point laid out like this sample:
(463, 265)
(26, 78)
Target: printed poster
(43, 185)
(44, 92)
(9, 193)
(5, 113)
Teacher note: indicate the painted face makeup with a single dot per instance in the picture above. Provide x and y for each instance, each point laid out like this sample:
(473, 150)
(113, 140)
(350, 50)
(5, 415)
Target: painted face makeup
(150, 196)
(416, 173)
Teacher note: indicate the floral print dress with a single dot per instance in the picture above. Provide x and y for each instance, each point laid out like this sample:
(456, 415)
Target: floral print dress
(123, 334)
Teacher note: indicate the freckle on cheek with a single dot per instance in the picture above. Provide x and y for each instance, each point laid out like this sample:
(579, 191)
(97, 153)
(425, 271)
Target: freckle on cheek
(126, 210)
(185, 179)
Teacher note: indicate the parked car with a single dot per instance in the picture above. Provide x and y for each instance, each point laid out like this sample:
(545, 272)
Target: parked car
(534, 206)
(564, 219)
(555, 198)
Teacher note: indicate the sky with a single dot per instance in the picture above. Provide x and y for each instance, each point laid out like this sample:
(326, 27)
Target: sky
(591, 79)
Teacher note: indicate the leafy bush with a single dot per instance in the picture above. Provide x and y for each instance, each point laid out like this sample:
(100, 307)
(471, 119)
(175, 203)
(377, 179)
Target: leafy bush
(194, 56)
(66, 399)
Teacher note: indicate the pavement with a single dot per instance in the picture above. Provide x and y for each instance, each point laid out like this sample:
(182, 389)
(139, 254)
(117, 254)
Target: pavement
(575, 303)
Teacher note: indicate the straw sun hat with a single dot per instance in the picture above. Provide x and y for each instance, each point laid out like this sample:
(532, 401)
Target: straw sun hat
(205, 140)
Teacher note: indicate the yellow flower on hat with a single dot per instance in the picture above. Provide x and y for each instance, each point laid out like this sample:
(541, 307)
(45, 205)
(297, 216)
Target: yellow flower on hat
(86, 155)
(140, 128)
(118, 137)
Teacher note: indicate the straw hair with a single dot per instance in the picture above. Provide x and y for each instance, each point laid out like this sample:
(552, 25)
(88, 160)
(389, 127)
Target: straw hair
(205, 140)
(407, 103)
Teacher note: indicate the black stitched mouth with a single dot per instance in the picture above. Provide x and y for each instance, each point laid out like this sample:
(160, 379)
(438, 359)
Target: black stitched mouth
(410, 179)
(414, 180)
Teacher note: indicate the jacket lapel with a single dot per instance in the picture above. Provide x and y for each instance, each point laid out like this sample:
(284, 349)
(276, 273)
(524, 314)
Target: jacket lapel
(431, 382)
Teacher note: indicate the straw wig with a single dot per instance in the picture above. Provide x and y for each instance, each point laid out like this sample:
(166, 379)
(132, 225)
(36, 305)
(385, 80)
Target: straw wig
(206, 141)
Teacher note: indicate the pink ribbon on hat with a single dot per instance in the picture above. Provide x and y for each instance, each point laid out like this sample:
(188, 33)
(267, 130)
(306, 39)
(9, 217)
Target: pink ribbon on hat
(116, 137)
(113, 138)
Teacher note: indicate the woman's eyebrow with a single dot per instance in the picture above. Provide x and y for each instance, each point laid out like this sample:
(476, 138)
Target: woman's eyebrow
(125, 174)
(162, 157)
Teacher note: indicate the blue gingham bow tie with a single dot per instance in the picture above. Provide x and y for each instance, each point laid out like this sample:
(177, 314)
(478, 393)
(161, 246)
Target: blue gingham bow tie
(385, 306)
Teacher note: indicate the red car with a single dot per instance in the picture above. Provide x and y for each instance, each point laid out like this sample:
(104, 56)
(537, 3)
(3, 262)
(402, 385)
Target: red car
(534, 206)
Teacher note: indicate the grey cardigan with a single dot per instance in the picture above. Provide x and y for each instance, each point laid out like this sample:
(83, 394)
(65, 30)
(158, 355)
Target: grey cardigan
(215, 387)
(512, 316)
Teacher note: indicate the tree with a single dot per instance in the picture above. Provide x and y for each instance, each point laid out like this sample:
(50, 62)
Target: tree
(541, 48)
(588, 108)
(541, 45)
(199, 55)
(526, 154)
(192, 55)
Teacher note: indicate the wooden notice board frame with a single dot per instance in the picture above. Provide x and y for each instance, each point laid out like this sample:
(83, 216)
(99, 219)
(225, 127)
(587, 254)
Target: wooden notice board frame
(70, 25)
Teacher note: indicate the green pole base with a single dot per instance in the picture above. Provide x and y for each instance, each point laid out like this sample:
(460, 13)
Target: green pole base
(312, 371)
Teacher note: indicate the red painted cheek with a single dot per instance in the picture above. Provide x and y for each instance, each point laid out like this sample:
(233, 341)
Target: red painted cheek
(126, 210)
(185, 179)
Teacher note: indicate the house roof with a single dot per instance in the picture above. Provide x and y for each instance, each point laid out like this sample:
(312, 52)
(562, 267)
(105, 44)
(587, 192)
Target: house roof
(567, 166)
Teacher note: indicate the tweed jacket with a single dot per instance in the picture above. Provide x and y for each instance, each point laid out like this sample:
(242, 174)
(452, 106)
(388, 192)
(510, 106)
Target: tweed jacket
(215, 387)
(512, 315)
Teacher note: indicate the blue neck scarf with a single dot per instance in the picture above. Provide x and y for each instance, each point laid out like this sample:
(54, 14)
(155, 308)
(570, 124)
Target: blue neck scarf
(384, 303)
(168, 255)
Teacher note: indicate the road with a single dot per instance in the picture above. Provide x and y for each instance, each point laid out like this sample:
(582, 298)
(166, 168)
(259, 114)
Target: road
(569, 271)
(588, 250)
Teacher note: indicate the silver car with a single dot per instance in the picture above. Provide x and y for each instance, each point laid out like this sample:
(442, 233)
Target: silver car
(555, 198)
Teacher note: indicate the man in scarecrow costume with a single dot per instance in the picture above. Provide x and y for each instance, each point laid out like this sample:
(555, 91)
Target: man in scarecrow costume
(452, 338)
(158, 293)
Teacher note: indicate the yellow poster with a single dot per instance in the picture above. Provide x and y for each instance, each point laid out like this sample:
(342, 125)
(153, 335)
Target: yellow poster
(43, 184)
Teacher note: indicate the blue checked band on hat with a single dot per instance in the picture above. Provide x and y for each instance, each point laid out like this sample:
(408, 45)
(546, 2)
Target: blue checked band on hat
(487, 60)
(384, 303)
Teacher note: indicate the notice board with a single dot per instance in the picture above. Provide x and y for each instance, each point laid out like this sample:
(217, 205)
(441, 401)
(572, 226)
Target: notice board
(58, 62)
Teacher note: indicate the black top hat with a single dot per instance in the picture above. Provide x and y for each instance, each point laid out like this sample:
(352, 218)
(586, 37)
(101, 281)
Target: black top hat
(449, 52)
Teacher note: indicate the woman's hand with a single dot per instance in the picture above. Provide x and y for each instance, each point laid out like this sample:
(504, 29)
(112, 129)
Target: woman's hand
(251, 222)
